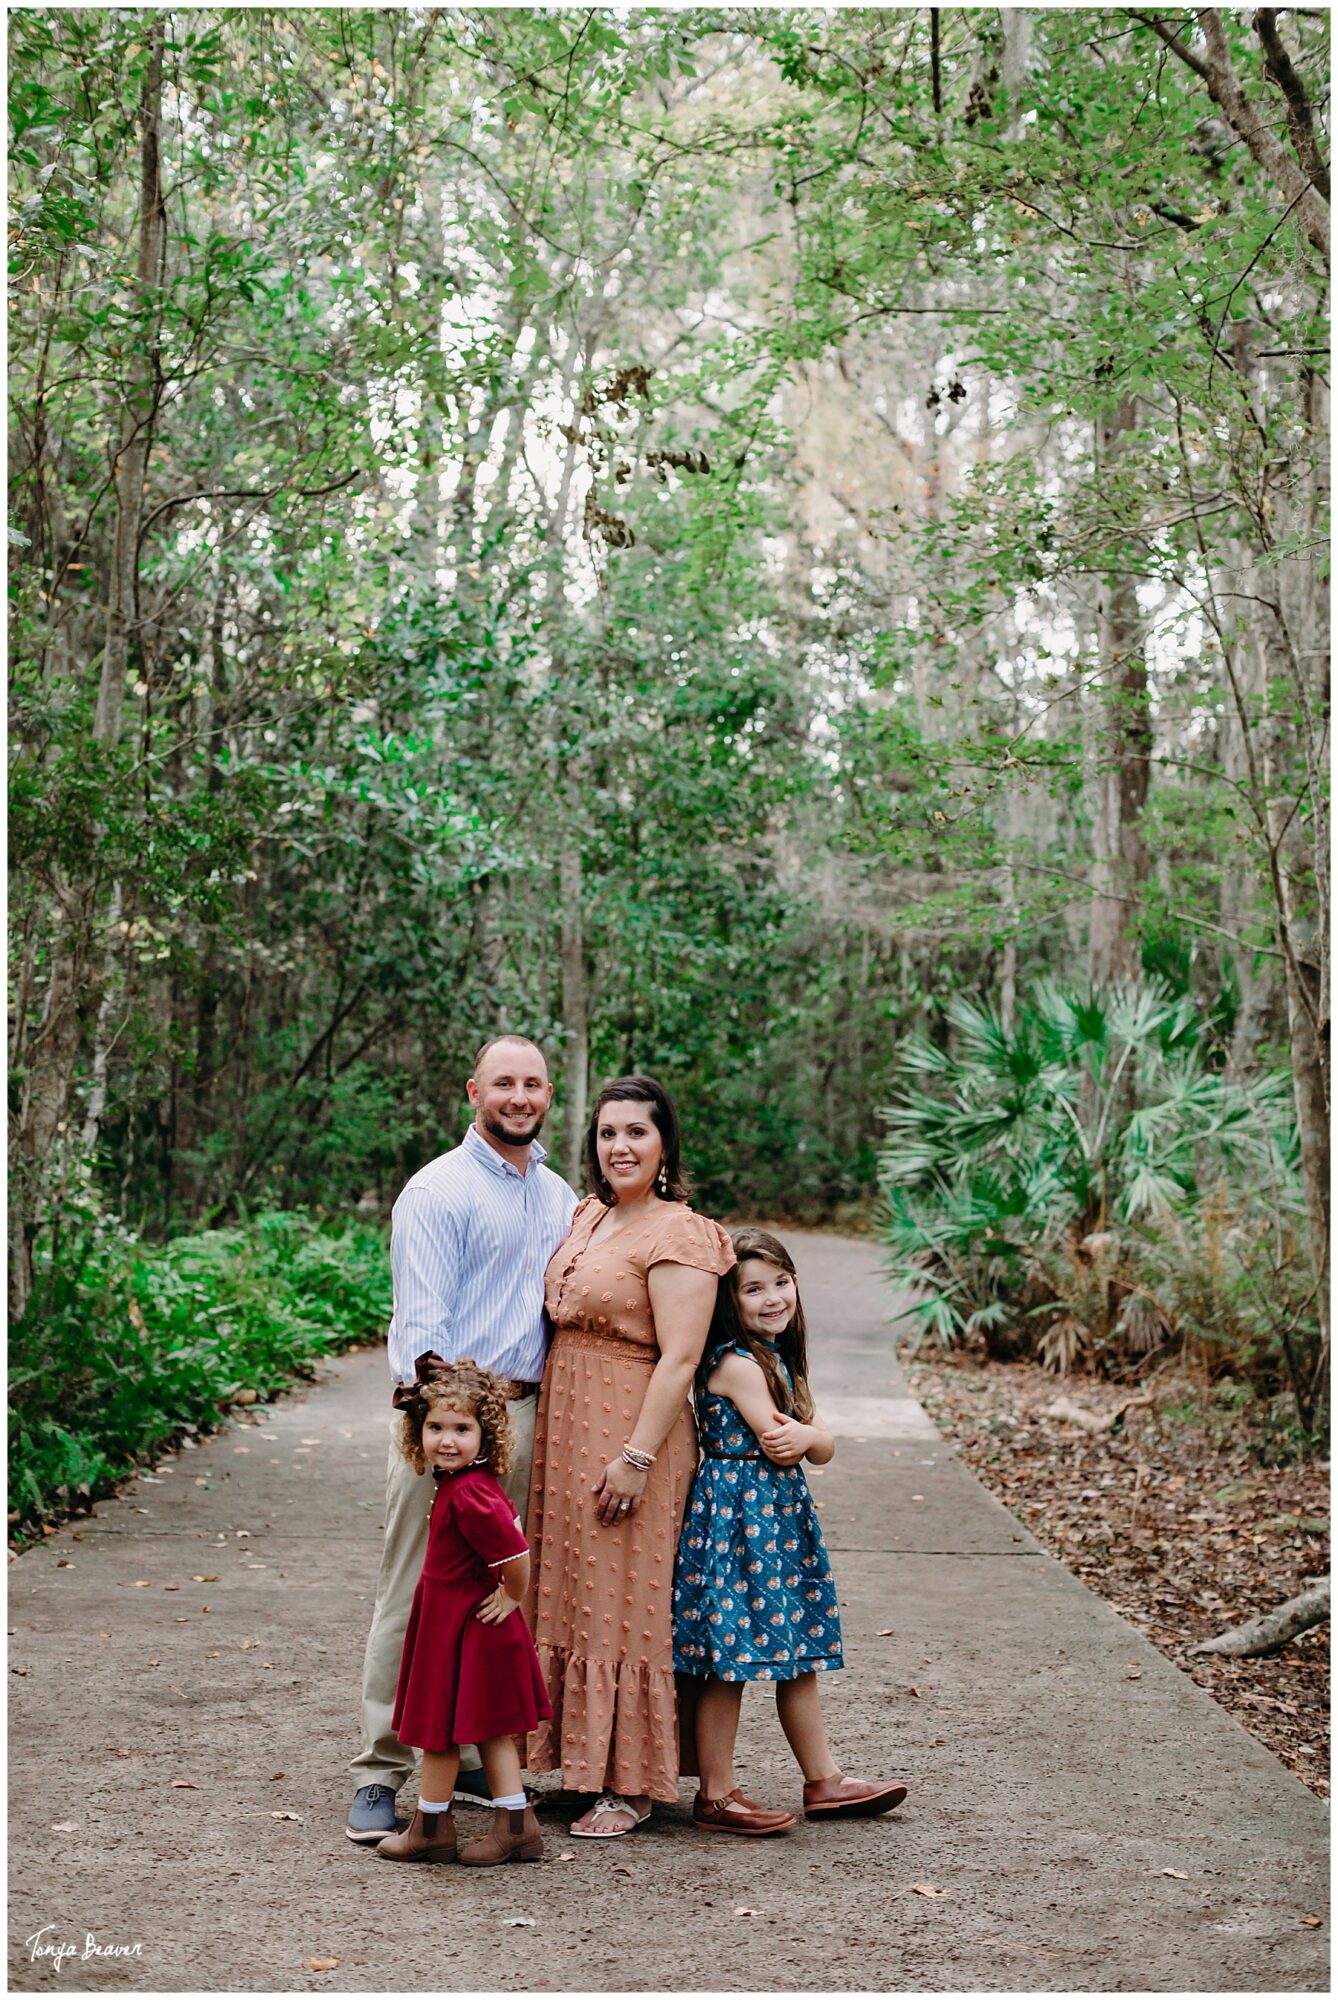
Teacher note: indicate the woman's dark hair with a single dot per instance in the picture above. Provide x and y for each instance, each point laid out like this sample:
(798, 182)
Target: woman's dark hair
(671, 1183)
(727, 1329)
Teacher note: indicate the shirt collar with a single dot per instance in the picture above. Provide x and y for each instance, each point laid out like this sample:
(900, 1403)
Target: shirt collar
(487, 1157)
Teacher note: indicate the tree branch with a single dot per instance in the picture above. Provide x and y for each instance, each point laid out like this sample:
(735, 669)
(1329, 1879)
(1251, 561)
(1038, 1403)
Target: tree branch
(1270, 1633)
(1228, 94)
(1172, 41)
(1300, 122)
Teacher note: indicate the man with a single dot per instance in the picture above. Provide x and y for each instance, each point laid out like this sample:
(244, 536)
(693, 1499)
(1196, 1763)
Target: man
(470, 1238)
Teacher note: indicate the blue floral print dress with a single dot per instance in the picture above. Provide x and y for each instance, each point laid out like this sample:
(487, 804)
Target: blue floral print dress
(754, 1598)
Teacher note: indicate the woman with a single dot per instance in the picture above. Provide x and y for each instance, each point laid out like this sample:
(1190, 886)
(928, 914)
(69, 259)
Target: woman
(630, 1294)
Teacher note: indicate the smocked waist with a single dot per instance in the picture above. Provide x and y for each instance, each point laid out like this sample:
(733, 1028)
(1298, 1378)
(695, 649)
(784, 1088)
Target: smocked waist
(611, 1342)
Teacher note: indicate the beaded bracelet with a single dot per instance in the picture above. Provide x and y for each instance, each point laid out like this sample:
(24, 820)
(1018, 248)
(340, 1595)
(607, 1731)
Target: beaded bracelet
(641, 1460)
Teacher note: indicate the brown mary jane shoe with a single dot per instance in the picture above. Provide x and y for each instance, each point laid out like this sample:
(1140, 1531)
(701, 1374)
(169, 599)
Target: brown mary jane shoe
(736, 1814)
(849, 1798)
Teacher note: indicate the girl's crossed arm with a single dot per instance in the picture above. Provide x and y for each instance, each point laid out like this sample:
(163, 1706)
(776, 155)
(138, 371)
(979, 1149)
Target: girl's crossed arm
(784, 1440)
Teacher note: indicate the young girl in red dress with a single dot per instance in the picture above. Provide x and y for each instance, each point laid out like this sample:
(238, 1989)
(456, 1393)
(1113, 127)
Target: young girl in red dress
(469, 1673)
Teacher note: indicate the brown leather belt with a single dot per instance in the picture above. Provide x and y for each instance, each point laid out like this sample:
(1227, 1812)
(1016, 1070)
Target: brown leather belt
(516, 1392)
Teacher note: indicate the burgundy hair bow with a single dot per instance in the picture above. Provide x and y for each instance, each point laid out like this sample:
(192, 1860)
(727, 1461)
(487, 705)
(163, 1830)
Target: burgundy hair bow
(429, 1367)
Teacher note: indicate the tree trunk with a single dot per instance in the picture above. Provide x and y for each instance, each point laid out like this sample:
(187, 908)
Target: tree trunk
(48, 1066)
(140, 408)
(1123, 747)
(575, 1015)
(571, 874)
(1018, 24)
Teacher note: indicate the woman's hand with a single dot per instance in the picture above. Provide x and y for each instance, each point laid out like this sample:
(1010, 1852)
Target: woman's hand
(786, 1440)
(495, 1609)
(617, 1491)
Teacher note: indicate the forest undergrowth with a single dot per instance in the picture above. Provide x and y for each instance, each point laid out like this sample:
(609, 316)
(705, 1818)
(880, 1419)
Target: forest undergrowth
(1199, 1512)
(128, 1348)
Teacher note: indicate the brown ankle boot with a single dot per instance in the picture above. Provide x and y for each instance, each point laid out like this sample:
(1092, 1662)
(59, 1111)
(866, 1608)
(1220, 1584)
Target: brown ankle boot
(427, 1837)
(515, 1836)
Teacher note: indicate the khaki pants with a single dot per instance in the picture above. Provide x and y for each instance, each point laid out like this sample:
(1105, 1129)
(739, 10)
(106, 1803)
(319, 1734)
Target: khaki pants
(383, 1759)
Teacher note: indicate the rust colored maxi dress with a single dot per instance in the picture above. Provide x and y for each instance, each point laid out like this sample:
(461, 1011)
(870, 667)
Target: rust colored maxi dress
(601, 1598)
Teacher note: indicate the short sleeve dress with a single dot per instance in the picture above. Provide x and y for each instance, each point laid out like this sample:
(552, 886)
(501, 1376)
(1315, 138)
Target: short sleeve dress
(600, 1596)
(462, 1681)
(754, 1598)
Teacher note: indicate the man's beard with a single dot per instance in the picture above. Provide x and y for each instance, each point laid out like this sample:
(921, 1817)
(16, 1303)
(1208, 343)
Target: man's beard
(498, 1131)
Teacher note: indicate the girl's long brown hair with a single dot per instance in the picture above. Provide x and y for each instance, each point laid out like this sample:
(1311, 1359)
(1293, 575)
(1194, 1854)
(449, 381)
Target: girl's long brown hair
(726, 1326)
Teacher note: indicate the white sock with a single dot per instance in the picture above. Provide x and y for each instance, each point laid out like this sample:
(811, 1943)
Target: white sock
(515, 1803)
(430, 1805)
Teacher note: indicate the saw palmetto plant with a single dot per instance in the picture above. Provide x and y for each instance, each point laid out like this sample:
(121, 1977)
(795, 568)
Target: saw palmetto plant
(1044, 1182)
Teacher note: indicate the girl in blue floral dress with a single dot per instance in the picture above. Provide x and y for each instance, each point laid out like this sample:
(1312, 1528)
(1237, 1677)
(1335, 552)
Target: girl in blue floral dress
(754, 1598)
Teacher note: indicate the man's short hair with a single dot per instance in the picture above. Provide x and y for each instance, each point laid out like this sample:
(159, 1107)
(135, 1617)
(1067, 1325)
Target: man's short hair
(495, 1041)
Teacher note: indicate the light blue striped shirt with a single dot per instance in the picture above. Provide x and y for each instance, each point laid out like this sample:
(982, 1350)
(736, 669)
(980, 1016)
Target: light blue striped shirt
(470, 1238)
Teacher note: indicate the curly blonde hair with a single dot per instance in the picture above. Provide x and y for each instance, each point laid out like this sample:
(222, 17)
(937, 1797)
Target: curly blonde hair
(462, 1385)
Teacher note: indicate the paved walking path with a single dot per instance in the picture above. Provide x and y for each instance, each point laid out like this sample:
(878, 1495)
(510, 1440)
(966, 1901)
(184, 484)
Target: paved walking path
(184, 1689)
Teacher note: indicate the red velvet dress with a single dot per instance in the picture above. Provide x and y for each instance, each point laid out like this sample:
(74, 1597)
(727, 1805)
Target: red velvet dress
(462, 1681)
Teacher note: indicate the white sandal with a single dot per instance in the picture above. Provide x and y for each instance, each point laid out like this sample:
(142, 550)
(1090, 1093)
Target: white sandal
(608, 1804)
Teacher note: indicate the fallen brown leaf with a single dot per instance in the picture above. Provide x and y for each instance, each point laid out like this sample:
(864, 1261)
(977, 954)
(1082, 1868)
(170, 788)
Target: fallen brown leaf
(518, 1923)
(287, 1815)
(937, 1742)
(1176, 1563)
(1176, 1874)
(886, 1633)
(184, 1785)
(926, 1889)
(275, 1774)
(22, 1672)
(320, 1964)
(204, 1579)
(915, 1692)
(1312, 1923)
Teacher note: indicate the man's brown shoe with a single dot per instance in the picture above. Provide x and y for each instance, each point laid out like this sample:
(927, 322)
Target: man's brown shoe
(736, 1814)
(849, 1798)
(514, 1836)
(427, 1837)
